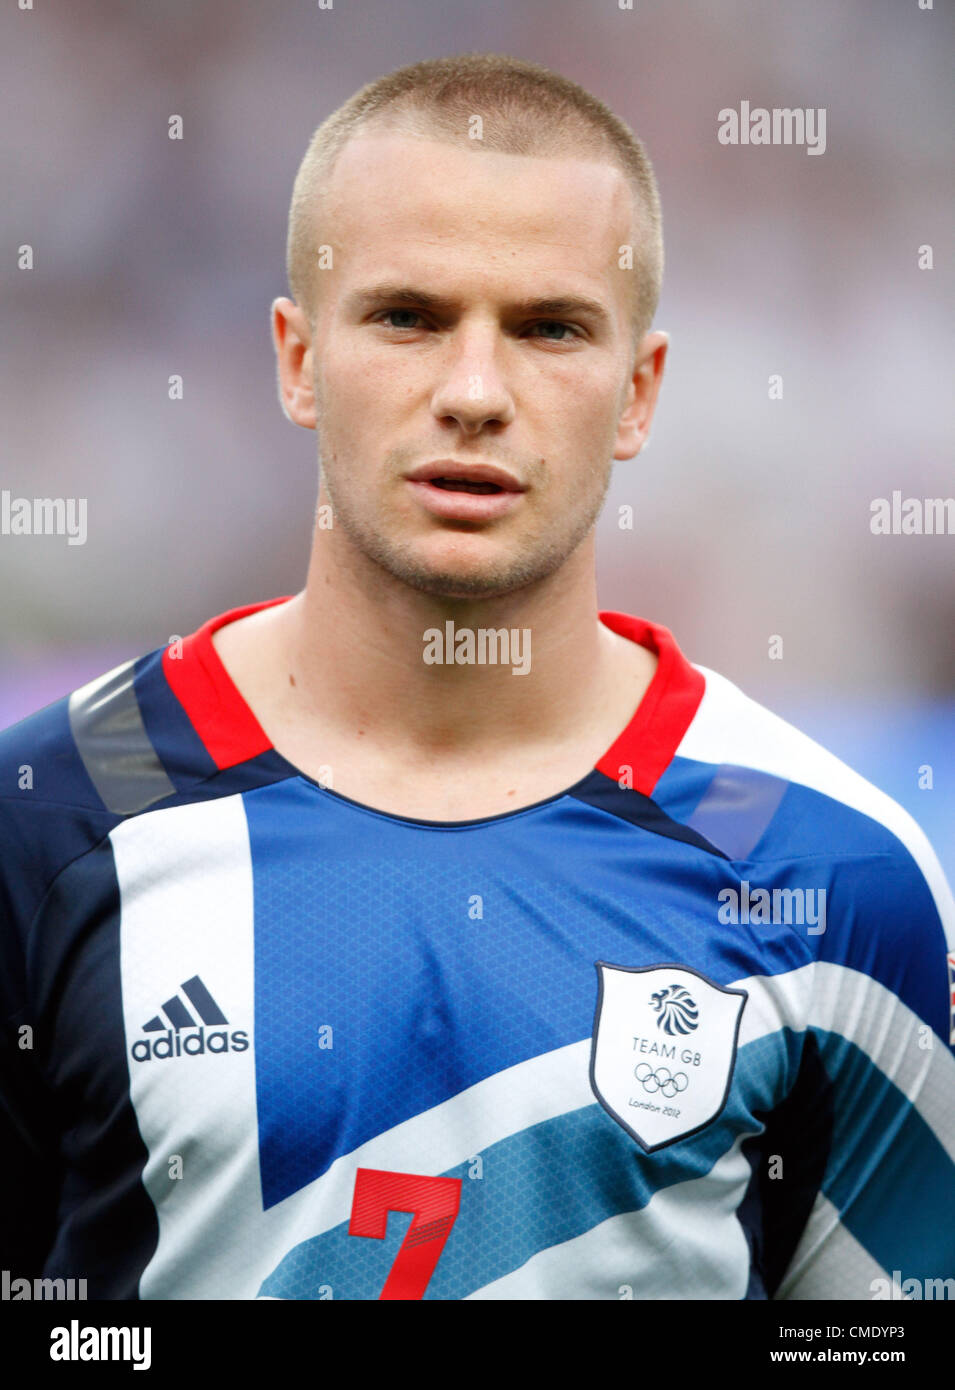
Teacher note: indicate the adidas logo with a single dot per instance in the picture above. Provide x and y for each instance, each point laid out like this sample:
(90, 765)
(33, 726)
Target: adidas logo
(174, 1041)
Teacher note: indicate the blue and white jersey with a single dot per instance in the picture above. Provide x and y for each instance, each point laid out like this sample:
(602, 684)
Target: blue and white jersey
(681, 1031)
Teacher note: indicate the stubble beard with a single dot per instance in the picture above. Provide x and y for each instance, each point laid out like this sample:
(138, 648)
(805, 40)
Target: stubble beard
(539, 557)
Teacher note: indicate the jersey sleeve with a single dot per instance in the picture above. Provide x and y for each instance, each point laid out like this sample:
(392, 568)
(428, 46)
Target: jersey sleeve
(50, 815)
(29, 1172)
(877, 1117)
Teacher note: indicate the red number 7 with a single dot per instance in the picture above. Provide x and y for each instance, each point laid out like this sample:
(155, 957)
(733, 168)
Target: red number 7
(435, 1203)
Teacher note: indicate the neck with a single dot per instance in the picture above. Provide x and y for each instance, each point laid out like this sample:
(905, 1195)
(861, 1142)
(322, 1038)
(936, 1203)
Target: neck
(354, 644)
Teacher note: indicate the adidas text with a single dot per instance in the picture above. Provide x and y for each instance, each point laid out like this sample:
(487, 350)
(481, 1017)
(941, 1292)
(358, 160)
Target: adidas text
(192, 1044)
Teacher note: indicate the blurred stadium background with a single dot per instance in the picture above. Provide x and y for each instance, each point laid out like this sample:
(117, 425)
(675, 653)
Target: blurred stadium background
(752, 516)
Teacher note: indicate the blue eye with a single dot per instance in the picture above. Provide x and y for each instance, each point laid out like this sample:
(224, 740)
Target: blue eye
(565, 328)
(401, 313)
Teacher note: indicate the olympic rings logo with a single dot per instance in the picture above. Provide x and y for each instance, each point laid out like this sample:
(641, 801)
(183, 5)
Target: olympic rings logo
(660, 1080)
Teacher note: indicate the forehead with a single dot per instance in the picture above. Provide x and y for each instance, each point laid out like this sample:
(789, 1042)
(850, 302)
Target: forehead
(396, 202)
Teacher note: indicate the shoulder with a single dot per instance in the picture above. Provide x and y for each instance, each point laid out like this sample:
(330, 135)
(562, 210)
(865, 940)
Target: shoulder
(771, 789)
(811, 833)
(156, 731)
(90, 751)
(68, 774)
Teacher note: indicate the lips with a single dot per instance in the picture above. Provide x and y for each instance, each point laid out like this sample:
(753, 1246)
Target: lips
(463, 501)
(479, 478)
(461, 485)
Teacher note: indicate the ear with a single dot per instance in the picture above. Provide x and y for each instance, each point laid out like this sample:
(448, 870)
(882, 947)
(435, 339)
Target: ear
(292, 337)
(641, 395)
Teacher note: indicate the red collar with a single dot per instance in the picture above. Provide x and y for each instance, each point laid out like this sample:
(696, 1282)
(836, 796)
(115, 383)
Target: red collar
(231, 733)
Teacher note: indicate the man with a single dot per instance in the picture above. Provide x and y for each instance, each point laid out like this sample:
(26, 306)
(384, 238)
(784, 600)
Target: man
(430, 933)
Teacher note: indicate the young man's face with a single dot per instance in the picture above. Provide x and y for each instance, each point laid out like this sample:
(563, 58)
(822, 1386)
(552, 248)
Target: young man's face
(433, 344)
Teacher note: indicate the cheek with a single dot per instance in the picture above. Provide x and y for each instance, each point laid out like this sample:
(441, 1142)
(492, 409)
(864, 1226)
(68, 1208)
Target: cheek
(583, 409)
(369, 387)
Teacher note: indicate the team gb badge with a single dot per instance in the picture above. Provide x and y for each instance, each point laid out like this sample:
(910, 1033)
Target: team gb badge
(664, 1048)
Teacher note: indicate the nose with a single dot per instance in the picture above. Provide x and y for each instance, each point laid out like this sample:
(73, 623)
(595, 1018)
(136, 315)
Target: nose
(472, 391)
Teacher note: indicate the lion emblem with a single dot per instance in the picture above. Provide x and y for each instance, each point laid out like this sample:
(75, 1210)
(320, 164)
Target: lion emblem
(676, 1009)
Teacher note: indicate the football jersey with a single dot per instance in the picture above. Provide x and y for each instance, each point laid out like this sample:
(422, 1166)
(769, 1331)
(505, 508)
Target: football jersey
(683, 1030)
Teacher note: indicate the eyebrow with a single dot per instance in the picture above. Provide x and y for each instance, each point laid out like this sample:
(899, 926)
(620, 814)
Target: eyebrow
(406, 296)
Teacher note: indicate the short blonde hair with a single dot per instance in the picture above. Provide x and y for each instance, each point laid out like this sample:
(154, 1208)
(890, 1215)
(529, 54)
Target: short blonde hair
(525, 109)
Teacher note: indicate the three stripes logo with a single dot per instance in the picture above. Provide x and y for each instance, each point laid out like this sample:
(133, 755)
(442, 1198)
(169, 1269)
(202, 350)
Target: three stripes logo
(181, 1034)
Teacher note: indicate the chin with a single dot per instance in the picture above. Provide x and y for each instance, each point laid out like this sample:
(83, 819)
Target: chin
(458, 586)
(469, 582)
